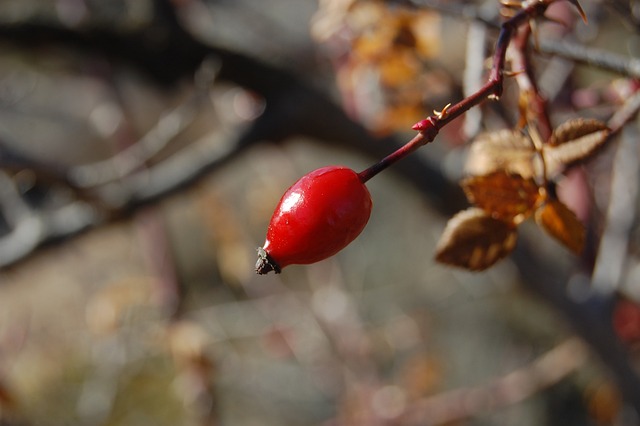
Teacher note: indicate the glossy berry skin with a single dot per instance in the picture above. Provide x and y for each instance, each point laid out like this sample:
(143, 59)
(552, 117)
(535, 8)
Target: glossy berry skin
(316, 218)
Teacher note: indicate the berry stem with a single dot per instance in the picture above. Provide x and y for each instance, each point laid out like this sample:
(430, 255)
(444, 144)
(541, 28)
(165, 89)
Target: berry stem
(429, 128)
(390, 159)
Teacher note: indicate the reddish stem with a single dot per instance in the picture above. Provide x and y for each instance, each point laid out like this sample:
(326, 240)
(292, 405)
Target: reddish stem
(430, 127)
(536, 106)
(390, 159)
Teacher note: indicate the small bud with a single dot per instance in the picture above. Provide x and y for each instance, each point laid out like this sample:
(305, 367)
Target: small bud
(421, 125)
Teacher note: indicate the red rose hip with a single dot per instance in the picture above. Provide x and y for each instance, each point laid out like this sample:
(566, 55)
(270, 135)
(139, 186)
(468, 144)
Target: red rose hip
(316, 218)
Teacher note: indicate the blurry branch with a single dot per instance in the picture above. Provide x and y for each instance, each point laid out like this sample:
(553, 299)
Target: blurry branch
(621, 210)
(625, 10)
(133, 157)
(30, 227)
(579, 53)
(598, 58)
(513, 388)
(538, 110)
(590, 313)
(26, 227)
(621, 213)
(625, 114)
(474, 74)
(185, 342)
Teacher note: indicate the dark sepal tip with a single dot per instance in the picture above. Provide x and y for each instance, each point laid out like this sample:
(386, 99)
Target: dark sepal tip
(265, 263)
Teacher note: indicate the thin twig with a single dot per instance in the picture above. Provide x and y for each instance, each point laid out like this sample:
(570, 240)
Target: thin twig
(131, 158)
(602, 59)
(621, 209)
(513, 388)
(586, 55)
(621, 212)
(536, 105)
(625, 114)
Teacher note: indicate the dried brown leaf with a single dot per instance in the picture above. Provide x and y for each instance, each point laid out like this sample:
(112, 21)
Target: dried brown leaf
(574, 129)
(562, 224)
(398, 68)
(503, 196)
(506, 150)
(475, 241)
(426, 26)
(558, 157)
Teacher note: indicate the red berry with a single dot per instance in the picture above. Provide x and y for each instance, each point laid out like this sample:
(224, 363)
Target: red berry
(316, 218)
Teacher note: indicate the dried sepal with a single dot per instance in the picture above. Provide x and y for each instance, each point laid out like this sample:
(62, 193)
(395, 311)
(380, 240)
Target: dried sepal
(502, 195)
(506, 150)
(562, 224)
(573, 144)
(475, 241)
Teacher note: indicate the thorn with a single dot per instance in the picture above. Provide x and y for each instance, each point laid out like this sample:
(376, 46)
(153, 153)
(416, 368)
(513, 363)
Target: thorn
(442, 114)
(583, 15)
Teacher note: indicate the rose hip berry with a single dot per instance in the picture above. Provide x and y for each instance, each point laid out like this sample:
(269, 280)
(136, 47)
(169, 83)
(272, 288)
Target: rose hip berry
(316, 218)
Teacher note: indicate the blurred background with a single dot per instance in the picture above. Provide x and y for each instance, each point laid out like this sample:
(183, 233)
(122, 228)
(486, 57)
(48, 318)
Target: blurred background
(144, 145)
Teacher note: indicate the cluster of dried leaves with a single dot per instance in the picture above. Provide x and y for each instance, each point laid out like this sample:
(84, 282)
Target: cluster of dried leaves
(512, 177)
(381, 55)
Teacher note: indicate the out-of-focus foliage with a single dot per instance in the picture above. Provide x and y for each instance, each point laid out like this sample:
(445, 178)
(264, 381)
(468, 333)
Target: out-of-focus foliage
(382, 54)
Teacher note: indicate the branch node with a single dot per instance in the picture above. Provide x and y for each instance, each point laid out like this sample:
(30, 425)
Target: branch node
(429, 127)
